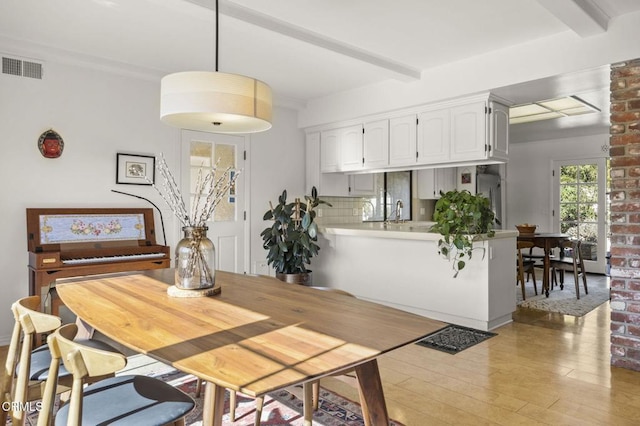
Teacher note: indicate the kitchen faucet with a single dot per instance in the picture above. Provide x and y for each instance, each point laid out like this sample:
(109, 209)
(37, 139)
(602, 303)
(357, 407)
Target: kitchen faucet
(399, 206)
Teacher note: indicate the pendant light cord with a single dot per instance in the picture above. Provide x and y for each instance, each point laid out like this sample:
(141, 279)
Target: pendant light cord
(217, 35)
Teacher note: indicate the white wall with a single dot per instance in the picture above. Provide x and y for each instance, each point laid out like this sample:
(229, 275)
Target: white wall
(98, 114)
(277, 162)
(528, 175)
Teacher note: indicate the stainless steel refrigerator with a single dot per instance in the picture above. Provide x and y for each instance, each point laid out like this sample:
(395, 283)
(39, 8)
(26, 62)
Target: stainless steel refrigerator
(489, 186)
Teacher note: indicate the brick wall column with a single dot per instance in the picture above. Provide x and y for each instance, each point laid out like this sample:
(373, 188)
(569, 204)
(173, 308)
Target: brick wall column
(625, 214)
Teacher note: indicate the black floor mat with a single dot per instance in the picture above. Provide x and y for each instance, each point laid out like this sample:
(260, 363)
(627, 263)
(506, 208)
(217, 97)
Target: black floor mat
(454, 338)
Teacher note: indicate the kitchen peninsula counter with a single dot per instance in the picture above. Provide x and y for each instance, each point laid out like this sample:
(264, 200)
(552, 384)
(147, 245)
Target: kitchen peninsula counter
(399, 265)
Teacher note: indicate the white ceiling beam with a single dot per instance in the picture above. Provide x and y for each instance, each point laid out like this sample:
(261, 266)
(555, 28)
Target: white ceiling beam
(584, 17)
(402, 72)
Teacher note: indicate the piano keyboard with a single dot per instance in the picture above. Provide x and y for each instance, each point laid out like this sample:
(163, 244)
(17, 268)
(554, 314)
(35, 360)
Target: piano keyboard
(112, 258)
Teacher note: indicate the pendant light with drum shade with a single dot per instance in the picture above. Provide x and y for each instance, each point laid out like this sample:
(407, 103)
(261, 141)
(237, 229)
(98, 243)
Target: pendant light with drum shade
(214, 101)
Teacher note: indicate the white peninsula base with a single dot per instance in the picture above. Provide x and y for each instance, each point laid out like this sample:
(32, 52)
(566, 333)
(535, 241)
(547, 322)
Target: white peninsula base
(405, 271)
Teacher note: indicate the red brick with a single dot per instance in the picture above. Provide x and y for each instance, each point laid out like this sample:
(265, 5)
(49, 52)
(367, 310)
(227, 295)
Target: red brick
(616, 151)
(622, 106)
(618, 351)
(625, 161)
(634, 307)
(628, 342)
(625, 117)
(633, 127)
(633, 285)
(618, 218)
(618, 85)
(625, 139)
(631, 70)
(633, 330)
(618, 328)
(617, 129)
(624, 207)
(625, 251)
(632, 104)
(617, 195)
(623, 95)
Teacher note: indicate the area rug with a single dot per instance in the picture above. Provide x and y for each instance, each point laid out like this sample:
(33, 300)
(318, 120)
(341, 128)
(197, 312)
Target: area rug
(455, 338)
(564, 301)
(281, 408)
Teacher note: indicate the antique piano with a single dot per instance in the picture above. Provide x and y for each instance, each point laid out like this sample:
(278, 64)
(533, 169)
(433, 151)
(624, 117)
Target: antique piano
(71, 242)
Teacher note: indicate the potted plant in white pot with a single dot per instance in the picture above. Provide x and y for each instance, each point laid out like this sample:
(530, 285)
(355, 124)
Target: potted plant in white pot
(462, 218)
(291, 240)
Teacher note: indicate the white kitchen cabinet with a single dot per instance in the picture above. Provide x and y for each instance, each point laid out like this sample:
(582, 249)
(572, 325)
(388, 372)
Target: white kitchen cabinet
(327, 184)
(499, 132)
(376, 144)
(351, 148)
(434, 136)
(432, 181)
(479, 131)
(363, 184)
(330, 151)
(402, 141)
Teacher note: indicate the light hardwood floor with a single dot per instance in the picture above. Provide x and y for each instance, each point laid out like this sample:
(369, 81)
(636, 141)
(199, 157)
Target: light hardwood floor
(541, 369)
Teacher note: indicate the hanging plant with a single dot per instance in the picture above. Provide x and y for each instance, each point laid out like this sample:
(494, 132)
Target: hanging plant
(462, 219)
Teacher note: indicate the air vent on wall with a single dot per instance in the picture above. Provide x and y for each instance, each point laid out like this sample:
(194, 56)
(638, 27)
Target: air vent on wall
(21, 67)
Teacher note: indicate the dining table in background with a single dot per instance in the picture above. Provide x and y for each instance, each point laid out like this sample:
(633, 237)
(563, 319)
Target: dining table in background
(547, 242)
(257, 336)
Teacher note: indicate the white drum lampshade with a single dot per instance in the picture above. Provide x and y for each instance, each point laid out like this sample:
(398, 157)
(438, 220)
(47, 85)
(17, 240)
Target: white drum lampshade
(215, 102)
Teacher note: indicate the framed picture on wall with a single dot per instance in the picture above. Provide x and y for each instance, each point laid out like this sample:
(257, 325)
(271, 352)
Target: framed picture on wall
(135, 169)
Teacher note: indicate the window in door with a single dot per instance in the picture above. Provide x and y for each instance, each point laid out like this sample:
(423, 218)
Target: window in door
(581, 207)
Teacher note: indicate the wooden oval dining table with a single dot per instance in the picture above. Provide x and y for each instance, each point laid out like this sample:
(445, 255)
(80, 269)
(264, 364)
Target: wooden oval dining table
(546, 241)
(257, 336)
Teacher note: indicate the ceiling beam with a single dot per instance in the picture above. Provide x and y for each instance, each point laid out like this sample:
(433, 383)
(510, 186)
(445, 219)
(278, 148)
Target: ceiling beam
(584, 17)
(402, 72)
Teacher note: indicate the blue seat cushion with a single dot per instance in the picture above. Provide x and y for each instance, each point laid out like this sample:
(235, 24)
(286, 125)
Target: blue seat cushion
(130, 400)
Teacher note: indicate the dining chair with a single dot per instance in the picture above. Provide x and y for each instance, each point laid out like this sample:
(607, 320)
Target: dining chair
(570, 261)
(26, 368)
(525, 266)
(125, 400)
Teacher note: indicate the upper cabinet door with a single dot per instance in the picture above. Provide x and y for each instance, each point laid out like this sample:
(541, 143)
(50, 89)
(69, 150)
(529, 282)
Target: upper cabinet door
(402, 141)
(376, 144)
(499, 131)
(469, 132)
(350, 141)
(329, 151)
(433, 136)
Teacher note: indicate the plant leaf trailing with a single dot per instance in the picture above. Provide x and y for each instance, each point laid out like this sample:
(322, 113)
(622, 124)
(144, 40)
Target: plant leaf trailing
(291, 238)
(462, 218)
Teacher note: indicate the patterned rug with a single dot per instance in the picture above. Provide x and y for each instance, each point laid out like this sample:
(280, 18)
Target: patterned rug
(454, 338)
(564, 301)
(281, 408)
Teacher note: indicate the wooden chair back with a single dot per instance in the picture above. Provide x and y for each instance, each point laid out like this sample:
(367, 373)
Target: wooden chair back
(523, 265)
(83, 362)
(574, 263)
(29, 322)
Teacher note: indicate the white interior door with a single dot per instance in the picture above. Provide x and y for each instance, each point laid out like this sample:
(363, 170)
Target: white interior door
(580, 207)
(202, 150)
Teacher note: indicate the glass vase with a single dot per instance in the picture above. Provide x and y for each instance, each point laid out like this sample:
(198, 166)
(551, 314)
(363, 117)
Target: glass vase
(195, 260)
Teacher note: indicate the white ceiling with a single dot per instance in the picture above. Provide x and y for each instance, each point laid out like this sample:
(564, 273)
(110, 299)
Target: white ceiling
(308, 49)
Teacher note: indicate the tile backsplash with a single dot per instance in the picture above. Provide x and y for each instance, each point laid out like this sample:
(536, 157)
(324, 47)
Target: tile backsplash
(349, 210)
(342, 210)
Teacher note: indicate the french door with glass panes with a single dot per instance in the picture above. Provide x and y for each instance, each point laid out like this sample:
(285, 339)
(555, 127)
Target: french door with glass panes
(580, 207)
(227, 227)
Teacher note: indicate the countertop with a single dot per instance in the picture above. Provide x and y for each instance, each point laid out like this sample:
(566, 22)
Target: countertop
(406, 230)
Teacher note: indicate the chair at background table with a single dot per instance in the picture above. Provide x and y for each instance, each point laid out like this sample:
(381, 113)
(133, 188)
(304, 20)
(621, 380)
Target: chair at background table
(571, 261)
(525, 266)
(25, 368)
(136, 400)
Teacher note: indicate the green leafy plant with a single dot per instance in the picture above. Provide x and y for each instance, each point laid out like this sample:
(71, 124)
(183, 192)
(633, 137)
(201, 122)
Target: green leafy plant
(462, 218)
(291, 238)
